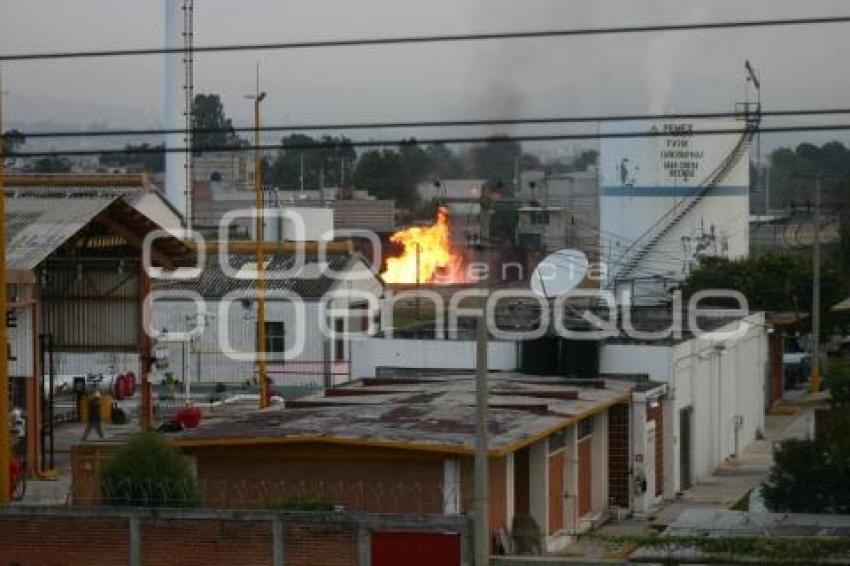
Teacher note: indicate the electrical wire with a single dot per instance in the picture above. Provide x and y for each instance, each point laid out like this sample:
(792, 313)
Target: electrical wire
(487, 36)
(484, 122)
(428, 141)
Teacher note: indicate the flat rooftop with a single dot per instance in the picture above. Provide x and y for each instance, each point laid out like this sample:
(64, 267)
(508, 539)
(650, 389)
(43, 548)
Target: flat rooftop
(420, 413)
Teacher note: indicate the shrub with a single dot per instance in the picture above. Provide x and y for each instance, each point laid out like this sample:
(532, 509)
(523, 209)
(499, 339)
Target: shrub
(149, 472)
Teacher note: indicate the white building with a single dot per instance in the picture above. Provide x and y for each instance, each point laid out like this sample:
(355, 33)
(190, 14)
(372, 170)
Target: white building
(300, 354)
(715, 396)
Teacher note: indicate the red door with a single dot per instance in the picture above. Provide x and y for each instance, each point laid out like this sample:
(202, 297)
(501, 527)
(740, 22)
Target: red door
(410, 548)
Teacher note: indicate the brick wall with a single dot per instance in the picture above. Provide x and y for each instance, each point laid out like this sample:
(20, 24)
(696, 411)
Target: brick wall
(199, 543)
(146, 537)
(618, 454)
(45, 540)
(374, 481)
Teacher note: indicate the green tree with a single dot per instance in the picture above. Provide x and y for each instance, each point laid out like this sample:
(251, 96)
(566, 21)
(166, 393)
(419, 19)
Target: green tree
(149, 472)
(810, 476)
(212, 128)
(11, 141)
(771, 281)
(326, 160)
(145, 156)
(51, 164)
(383, 174)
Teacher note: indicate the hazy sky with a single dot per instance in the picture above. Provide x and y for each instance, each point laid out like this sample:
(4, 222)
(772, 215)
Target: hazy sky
(681, 71)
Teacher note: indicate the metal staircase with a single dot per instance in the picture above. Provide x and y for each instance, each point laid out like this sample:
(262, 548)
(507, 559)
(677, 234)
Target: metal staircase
(646, 242)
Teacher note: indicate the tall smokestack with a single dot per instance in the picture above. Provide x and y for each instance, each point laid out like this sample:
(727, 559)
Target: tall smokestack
(176, 189)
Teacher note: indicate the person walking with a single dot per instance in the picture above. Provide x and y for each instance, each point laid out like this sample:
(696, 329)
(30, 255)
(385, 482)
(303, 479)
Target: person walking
(94, 416)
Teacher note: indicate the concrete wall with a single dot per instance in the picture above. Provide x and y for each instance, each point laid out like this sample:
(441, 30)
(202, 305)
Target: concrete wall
(721, 380)
(368, 354)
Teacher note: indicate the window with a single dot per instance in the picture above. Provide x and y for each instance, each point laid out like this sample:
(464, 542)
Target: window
(585, 427)
(540, 217)
(339, 340)
(557, 441)
(275, 337)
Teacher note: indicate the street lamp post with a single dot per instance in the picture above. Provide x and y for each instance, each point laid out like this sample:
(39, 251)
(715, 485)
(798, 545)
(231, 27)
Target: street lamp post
(262, 374)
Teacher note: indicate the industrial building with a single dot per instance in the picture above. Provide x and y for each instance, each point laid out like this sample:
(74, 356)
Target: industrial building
(300, 354)
(716, 394)
(77, 284)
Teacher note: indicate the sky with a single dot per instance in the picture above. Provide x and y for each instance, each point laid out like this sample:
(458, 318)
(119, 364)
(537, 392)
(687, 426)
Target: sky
(671, 72)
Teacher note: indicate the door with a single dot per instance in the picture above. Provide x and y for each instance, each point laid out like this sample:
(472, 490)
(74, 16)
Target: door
(585, 477)
(685, 456)
(393, 548)
(556, 492)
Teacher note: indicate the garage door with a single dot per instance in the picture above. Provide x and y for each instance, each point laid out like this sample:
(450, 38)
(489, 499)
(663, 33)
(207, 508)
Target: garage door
(411, 548)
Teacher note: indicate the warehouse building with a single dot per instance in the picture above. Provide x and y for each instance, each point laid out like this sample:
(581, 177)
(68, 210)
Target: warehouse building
(405, 445)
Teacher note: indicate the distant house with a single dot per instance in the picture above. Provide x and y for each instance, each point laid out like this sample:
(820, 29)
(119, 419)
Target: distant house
(545, 229)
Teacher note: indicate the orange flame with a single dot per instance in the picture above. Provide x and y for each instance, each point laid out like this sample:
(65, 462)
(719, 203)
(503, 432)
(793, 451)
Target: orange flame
(438, 263)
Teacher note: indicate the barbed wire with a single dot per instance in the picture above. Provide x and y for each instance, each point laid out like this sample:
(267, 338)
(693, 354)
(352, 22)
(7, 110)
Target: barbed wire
(295, 495)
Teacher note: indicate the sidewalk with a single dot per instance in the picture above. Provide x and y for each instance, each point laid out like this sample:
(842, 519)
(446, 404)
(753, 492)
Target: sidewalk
(730, 482)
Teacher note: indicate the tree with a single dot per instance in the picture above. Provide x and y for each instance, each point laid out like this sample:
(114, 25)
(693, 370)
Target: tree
(810, 476)
(771, 281)
(587, 158)
(149, 472)
(11, 141)
(327, 160)
(51, 164)
(147, 157)
(212, 128)
(383, 174)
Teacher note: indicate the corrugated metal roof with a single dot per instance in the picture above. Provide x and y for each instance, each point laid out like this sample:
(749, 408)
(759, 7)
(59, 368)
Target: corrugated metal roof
(310, 281)
(36, 227)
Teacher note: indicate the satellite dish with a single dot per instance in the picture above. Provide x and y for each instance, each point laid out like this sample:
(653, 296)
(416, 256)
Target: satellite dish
(559, 273)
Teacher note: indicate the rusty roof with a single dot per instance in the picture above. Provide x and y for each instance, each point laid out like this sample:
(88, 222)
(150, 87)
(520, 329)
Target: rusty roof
(419, 413)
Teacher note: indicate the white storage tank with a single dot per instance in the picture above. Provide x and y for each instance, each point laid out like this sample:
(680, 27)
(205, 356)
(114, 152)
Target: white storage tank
(665, 201)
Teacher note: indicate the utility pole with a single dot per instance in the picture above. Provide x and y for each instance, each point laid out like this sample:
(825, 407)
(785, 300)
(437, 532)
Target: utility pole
(482, 472)
(5, 439)
(262, 374)
(815, 378)
(418, 281)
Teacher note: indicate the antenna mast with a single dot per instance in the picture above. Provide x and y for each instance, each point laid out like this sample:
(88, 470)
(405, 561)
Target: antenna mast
(189, 93)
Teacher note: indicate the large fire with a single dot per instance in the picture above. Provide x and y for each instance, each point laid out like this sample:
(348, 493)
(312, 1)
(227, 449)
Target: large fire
(437, 261)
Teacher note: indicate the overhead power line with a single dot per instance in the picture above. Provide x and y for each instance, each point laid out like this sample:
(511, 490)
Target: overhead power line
(354, 42)
(426, 141)
(484, 122)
